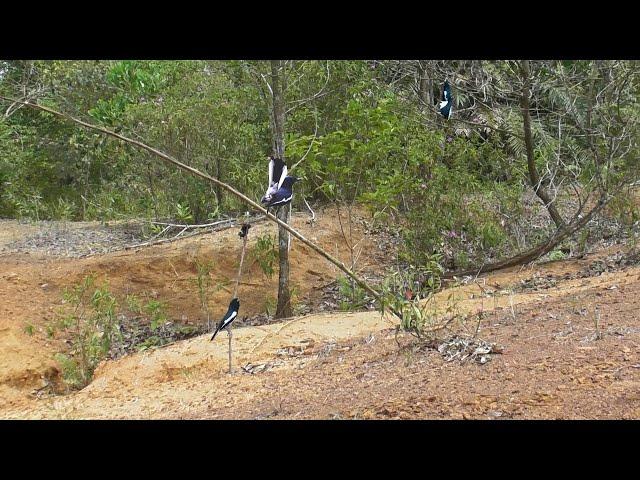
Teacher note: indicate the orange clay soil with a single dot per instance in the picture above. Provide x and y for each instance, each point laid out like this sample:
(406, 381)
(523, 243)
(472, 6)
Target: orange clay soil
(31, 285)
(331, 365)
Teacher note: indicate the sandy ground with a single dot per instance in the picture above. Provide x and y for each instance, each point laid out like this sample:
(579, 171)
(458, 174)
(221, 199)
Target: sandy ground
(31, 285)
(333, 365)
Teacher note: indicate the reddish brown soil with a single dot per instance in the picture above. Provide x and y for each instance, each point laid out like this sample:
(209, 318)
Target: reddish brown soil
(333, 365)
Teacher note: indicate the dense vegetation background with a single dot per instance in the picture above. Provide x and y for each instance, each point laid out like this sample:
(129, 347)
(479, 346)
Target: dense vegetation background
(366, 132)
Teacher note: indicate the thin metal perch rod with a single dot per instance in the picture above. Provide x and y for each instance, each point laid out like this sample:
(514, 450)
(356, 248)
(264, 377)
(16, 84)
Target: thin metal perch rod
(245, 229)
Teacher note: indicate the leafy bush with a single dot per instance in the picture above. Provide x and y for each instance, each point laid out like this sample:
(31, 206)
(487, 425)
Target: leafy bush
(92, 327)
(183, 213)
(407, 291)
(557, 255)
(265, 252)
(157, 313)
(354, 294)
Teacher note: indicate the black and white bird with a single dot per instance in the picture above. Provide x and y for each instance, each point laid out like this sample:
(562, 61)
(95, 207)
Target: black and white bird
(446, 105)
(277, 174)
(283, 195)
(231, 314)
(244, 230)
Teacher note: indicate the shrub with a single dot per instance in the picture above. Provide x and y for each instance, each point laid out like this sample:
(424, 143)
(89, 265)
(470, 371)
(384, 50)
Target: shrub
(265, 252)
(92, 326)
(354, 295)
(406, 291)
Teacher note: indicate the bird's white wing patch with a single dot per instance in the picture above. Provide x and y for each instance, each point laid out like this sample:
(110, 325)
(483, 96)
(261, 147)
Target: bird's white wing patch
(271, 164)
(229, 320)
(282, 177)
(284, 200)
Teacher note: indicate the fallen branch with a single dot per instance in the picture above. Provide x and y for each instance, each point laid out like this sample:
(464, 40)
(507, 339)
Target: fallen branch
(214, 180)
(205, 225)
(150, 243)
(164, 240)
(539, 250)
(313, 214)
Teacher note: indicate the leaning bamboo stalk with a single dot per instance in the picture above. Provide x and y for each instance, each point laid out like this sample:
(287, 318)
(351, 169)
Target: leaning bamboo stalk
(214, 180)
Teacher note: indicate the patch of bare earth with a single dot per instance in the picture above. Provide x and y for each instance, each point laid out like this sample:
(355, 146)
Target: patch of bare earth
(554, 362)
(34, 274)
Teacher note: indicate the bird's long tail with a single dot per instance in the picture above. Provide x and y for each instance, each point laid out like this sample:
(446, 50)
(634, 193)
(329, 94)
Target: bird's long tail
(215, 333)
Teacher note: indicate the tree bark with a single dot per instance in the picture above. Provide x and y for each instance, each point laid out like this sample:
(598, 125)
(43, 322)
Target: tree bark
(283, 308)
(425, 87)
(534, 177)
(217, 187)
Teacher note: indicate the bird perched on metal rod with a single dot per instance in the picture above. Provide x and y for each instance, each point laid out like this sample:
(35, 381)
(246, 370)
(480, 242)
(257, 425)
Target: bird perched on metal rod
(446, 105)
(229, 317)
(277, 174)
(283, 195)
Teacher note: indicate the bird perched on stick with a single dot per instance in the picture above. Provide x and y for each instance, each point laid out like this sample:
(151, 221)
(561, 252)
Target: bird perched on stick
(283, 195)
(446, 105)
(244, 230)
(231, 314)
(277, 174)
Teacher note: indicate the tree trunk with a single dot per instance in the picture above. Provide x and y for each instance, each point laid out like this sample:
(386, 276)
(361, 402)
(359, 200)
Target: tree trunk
(425, 87)
(219, 177)
(534, 177)
(284, 296)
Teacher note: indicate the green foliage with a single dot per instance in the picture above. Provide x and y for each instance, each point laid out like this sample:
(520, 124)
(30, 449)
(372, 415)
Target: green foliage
(447, 210)
(265, 252)
(134, 304)
(454, 188)
(151, 310)
(408, 292)
(625, 208)
(557, 255)
(203, 282)
(156, 311)
(152, 341)
(92, 326)
(183, 213)
(354, 294)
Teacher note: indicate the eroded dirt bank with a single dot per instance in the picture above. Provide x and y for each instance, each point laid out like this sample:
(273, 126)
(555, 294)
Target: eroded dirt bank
(554, 364)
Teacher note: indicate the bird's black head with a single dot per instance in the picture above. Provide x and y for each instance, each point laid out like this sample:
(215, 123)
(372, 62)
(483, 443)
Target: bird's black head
(235, 304)
(244, 230)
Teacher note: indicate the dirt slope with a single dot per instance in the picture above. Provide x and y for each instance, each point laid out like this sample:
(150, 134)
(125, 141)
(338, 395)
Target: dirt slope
(337, 365)
(31, 284)
(349, 366)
